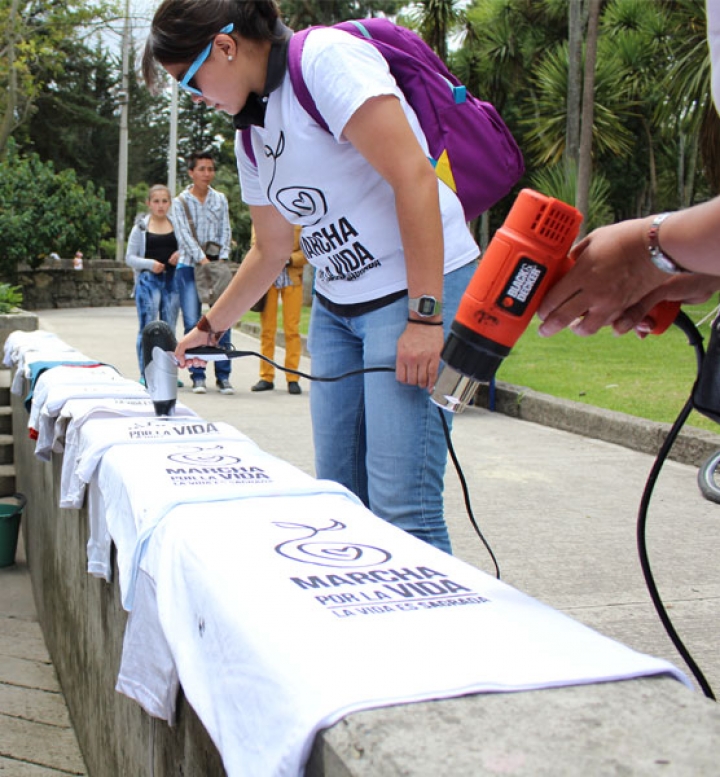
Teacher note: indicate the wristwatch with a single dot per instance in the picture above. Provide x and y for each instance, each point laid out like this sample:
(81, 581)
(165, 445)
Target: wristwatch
(425, 306)
(660, 259)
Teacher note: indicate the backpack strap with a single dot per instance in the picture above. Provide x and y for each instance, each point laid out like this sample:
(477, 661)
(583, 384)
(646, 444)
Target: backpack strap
(295, 50)
(294, 61)
(247, 145)
(294, 64)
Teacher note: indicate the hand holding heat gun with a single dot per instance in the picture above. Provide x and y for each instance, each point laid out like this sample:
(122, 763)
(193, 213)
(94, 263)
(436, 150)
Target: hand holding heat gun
(526, 257)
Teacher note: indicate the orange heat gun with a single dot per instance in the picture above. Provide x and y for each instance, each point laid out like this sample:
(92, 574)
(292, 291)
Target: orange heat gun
(525, 258)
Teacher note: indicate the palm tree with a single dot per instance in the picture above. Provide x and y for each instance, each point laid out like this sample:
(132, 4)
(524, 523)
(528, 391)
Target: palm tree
(649, 97)
(435, 21)
(686, 111)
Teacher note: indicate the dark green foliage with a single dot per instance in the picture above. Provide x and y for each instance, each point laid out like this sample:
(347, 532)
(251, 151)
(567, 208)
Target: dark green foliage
(43, 211)
(300, 14)
(148, 134)
(82, 100)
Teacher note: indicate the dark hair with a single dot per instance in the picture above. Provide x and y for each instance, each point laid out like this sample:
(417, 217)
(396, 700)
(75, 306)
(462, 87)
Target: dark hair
(196, 156)
(181, 29)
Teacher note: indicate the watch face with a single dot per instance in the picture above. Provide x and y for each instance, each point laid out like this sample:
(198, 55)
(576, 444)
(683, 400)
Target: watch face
(426, 306)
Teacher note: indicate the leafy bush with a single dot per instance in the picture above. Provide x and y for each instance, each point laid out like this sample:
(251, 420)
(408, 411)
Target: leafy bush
(10, 298)
(43, 211)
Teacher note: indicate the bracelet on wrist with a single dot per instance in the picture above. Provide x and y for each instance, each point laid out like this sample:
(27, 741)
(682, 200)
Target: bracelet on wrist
(203, 325)
(658, 257)
(424, 323)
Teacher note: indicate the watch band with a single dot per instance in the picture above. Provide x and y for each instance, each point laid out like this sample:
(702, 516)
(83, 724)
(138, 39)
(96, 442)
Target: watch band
(657, 256)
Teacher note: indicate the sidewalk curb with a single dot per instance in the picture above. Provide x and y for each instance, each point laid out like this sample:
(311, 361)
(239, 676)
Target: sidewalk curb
(692, 446)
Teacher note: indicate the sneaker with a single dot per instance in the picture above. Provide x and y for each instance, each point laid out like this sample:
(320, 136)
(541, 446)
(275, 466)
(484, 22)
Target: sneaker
(180, 384)
(198, 386)
(141, 381)
(294, 388)
(263, 385)
(223, 386)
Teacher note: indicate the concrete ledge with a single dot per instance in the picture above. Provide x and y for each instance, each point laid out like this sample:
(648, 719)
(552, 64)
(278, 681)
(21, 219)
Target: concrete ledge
(639, 727)
(692, 447)
(634, 727)
(10, 322)
(83, 624)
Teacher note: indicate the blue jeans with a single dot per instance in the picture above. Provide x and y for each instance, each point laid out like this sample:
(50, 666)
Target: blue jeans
(156, 296)
(380, 438)
(191, 312)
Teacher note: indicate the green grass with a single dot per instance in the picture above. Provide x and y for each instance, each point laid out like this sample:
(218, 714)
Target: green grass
(650, 378)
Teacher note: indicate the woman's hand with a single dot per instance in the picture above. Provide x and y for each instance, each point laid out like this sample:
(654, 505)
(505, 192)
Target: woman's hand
(612, 272)
(689, 289)
(158, 267)
(418, 355)
(174, 258)
(192, 339)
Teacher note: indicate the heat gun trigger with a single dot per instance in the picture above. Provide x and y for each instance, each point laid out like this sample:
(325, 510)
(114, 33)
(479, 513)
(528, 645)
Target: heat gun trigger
(208, 353)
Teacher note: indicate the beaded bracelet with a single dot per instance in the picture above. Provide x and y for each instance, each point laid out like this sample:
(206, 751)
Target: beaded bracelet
(203, 325)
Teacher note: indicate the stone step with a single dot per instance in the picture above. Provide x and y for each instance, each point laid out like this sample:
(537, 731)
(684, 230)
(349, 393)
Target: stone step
(6, 449)
(7, 480)
(5, 420)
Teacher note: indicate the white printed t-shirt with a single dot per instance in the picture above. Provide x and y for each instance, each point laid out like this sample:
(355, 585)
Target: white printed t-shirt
(320, 181)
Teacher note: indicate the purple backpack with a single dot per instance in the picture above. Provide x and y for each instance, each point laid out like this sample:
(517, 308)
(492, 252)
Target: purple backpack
(471, 149)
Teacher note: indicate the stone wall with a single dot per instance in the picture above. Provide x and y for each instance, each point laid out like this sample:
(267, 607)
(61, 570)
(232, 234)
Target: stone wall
(103, 283)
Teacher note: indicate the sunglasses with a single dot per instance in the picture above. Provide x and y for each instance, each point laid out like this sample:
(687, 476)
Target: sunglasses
(184, 82)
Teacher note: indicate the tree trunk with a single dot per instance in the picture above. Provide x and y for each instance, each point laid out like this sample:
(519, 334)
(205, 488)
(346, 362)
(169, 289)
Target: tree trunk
(709, 147)
(690, 174)
(7, 123)
(572, 126)
(588, 105)
(681, 170)
(652, 168)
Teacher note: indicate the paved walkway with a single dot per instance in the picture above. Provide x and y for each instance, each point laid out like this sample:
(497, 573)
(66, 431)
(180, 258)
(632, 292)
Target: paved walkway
(558, 509)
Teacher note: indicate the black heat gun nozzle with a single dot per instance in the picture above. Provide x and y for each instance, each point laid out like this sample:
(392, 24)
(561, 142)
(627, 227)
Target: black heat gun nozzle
(468, 359)
(161, 371)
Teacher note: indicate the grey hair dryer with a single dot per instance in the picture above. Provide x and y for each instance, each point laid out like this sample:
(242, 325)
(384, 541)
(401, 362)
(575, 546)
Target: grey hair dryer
(161, 370)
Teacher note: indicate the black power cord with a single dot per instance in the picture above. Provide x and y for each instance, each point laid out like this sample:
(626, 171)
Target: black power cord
(684, 323)
(466, 492)
(216, 353)
(231, 353)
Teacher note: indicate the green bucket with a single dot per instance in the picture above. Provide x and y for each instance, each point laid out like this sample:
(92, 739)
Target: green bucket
(10, 528)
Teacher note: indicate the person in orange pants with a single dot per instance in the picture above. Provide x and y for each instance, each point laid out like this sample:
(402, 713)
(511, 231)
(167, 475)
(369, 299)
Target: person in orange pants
(288, 287)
